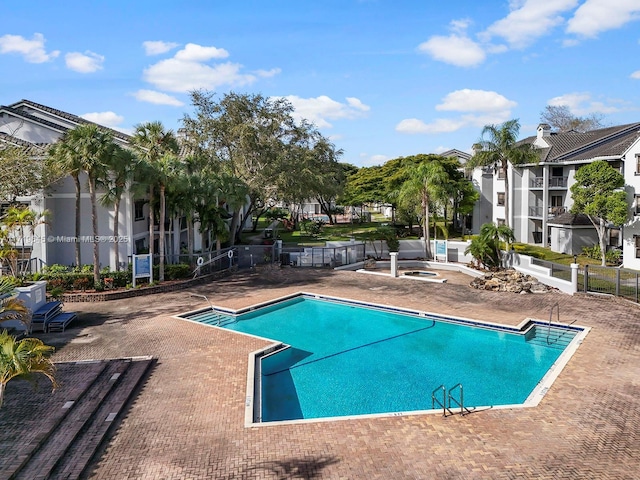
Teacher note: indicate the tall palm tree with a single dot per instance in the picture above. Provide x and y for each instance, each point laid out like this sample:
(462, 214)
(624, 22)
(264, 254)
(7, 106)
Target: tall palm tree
(499, 147)
(62, 158)
(121, 169)
(23, 358)
(426, 184)
(93, 147)
(155, 146)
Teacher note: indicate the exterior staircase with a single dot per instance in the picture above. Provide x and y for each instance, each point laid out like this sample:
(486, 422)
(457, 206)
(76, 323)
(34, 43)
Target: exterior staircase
(72, 426)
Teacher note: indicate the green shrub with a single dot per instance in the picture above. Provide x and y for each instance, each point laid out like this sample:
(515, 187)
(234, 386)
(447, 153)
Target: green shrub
(177, 271)
(54, 269)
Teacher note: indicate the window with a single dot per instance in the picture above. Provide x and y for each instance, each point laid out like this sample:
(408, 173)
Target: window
(637, 164)
(141, 246)
(501, 174)
(637, 240)
(636, 210)
(557, 171)
(501, 222)
(501, 198)
(139, 210)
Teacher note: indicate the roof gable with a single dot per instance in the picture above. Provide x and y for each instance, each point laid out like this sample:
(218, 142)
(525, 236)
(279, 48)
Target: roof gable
(57, 119)
(572, 146)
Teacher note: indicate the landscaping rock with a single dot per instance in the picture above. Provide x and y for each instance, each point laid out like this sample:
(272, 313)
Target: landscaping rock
(509, 281)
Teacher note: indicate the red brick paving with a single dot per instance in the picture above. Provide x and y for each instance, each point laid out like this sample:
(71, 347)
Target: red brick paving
(188, 421)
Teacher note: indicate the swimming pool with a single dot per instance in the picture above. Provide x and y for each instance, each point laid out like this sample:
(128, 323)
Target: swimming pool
(335, 357)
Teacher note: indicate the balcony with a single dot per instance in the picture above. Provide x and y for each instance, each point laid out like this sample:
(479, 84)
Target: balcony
(536, 212)
(554, 182)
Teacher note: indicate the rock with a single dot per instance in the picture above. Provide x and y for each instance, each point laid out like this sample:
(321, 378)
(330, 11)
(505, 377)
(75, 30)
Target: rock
(509, 281)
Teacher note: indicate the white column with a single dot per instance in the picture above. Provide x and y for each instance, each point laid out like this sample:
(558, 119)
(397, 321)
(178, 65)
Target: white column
(394, 263)
(574, 277)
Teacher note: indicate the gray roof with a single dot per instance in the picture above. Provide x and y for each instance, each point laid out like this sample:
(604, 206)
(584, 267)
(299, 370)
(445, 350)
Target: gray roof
(460, 155)
(575, 146)
(18, 108)
(573, 219)
(7, 141)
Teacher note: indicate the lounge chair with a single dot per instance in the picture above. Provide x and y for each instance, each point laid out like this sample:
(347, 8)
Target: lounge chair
(44, 314)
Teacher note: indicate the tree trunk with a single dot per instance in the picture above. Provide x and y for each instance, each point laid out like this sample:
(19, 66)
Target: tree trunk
(234, 226)
(161, 240)
(2, 387)
(190, 238)
(76, 180)
(427, 239)
(116, 231)
(94, 225)
(151, 226)
(602, 231)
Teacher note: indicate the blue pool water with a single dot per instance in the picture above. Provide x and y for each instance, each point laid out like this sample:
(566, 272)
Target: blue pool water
(348, 360)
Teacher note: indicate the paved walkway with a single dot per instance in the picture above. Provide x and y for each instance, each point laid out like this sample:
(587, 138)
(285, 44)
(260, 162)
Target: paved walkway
(187, 422)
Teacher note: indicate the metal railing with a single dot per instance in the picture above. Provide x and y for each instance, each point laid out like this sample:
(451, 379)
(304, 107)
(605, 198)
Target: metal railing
(537, 211)
(621, 282)
(554, 182)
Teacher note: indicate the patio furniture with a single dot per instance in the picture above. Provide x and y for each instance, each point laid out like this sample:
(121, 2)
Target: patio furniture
(44, 314)
(60, 321)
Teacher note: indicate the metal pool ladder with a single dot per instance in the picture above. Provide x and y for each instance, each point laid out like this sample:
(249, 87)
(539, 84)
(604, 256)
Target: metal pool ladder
(447, 398)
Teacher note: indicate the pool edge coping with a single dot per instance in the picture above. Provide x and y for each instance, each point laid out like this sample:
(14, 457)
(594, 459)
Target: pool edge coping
(532, 400)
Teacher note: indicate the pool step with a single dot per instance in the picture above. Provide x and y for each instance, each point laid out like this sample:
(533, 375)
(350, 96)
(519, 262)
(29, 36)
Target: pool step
(213, 318)
(554, 337)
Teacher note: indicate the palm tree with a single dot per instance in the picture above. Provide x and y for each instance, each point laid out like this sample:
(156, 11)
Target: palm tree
(495, 234)
(425, 183)
(154, 145)
(500, 149)
(121, 168)
(63, 158)
(10, 307)
(18, 217)
(23, 358)
(93, 147)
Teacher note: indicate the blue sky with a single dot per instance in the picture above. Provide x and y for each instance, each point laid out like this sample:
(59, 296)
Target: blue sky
(381, 78)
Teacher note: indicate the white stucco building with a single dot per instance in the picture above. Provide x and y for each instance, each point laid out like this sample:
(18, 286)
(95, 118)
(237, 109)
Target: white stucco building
(539, 194)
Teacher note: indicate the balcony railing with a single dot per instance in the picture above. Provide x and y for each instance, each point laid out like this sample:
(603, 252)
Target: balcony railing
(554, 182)
(551, 211)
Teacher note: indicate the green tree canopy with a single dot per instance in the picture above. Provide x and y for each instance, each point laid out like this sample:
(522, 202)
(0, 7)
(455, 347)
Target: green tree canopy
(598, 194)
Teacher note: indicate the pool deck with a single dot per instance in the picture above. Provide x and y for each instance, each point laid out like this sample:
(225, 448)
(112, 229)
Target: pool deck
(187, 422)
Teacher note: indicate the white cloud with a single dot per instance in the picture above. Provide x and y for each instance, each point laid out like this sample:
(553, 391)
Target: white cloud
(157, 47)
(529, 20)
(87, 62)
(636, 75)
(467, 100)
(159, 98)
(176, 75)
(32, 50)
(595, 16)
(197, 53)
(480, 107)
(582, 104)
(321, 109)
(268, 73)
(188, 70)
(106, 119)
(440, 125)
(455, 49)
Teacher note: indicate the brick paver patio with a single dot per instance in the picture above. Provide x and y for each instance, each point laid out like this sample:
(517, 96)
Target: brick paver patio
(188, 420)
